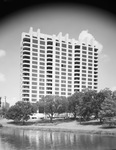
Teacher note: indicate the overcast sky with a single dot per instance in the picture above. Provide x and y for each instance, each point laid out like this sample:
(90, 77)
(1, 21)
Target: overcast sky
(52, 19)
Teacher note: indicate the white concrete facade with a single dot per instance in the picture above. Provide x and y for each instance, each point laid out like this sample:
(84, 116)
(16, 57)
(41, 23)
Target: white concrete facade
(56, 65)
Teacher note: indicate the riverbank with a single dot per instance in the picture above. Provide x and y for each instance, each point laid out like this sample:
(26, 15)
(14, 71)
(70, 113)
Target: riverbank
(69, 126)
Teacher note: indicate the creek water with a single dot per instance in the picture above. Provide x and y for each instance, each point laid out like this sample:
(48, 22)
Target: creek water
(19, 139)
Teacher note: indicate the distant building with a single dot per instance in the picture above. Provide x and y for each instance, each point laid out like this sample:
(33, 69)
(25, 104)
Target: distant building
(4, 103)
(56, 65)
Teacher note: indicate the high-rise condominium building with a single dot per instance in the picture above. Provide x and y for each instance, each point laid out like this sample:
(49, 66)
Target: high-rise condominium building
(57, 65)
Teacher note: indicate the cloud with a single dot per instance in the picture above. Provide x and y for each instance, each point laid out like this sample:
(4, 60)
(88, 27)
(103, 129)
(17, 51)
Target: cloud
(113, 88)
(88, 38)
(2, 77)
(104, 57)
(2, 53)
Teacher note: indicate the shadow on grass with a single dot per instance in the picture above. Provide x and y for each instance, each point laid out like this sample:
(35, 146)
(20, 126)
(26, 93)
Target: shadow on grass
(21, 123)
(94, 123)
(42, 121)
(55, 121)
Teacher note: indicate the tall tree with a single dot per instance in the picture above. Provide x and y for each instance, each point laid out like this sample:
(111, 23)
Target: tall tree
(53, 104)
(87, 104)
(20, 111)
(108, 108)
(74, 103)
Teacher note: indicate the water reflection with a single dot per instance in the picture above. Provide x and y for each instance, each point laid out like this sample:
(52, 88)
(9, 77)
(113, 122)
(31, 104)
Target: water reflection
(16, 139)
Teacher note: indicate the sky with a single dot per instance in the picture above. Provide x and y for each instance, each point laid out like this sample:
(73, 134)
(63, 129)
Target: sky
(52, 19)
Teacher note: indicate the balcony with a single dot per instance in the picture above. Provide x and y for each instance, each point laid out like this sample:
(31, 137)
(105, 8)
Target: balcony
(26, 39)
(49, 43)
(49, 47)
(26, 44)
(25, 70)
(49, 64)
(26, 78)
(26, 61)
(26, 66)
(49, 55)
(49, 51)
(26, 74)
(26, 53)
(25, 95)
(26, 57)
(25, 83)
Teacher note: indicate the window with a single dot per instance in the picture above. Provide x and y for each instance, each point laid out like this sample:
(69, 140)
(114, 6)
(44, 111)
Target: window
(90, 48)
(63, 85)
(63, 81)
(62, 93)
(84, 56)
(90, 53)
(69, 62)
(34, 50)
(42, 51)
(63, 73)
(34, 70)
(35, 41)
(69, 74)
(77, 46)
(49, 43)
(34, 83)
(57, 52)
(35, 45)
(62, 65)
(42, 42)
(63, 61)
(63, 77)
(56, 72)
(34, 75)
(69, 66)
(63, 45)
(57, 60)
(41, 71)
(34, 95)
(70, 51)
(57, 44)
(33, 66)
(90, 57)
(83, 59)
(64, 54)
(84, 47)
(33, 91)
(49, 47)
(57, 68)
(64, 50)
(57, 48)
(42, 63)
(34, 54)
(34, 87)
(41, 55)
(41, 67)
(26, 40)
(63, 89)
(70, 55)
(42, 59)
(42, 47)
(84, 52)
(70, 46)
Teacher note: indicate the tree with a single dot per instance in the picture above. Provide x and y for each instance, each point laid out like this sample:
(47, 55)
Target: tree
(74, 103)
(53, 104)
(21, 111)
(108, 108)
(87, 105)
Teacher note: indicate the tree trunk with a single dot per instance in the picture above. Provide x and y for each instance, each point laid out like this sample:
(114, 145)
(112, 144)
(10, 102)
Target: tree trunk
(51, 119)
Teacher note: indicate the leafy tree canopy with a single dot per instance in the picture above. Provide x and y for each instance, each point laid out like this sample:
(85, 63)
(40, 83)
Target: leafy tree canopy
(20, 111)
